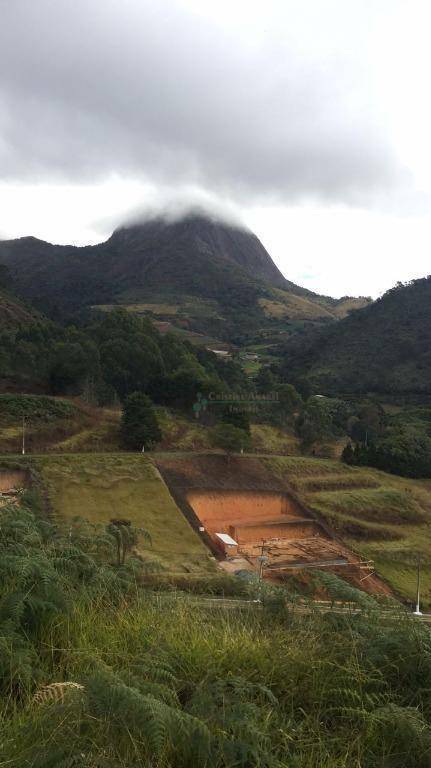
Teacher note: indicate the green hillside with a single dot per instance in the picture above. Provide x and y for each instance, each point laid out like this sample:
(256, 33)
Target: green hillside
(101, 487)
(382, 348)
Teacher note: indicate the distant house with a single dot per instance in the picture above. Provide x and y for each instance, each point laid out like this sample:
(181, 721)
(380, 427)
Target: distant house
(223, 353)
(251, 356)
(163, 326)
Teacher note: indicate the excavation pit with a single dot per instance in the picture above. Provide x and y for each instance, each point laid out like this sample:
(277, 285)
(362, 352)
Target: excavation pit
(266, 519)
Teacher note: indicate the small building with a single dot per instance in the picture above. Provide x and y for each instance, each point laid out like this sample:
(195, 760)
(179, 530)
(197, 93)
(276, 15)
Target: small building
(227, 544)
(223, 353)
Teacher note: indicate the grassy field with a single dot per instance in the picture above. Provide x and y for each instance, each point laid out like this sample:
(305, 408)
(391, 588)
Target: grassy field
(176, 317)
(142, 308)
(101, 487)
(292, 306)
(385, 518)
(181, 433)
(251, 367)
(99, 433)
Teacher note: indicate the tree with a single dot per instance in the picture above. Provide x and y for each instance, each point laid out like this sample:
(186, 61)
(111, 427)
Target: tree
(322, 418)
(129, 364)
(399, 452)
(237, 418)
(126, 536)
(265, 381)
(139, 425)
(368, 425)
(348, 455)
(313, 423)
(229, 438)
(289, 399)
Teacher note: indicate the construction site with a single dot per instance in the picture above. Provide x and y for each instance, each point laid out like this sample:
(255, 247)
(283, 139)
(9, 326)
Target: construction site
(272, 529)
(259, 525)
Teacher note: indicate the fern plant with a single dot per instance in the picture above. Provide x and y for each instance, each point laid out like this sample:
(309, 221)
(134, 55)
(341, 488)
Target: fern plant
(135, 715)
(241, 715)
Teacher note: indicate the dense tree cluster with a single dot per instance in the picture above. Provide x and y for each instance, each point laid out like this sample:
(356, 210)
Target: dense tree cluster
(113, 356)
(322, 418)
(400, 453)
(399, 443)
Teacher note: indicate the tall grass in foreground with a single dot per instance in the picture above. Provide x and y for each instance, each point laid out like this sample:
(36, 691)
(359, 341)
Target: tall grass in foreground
(97, 670)
(169, 683)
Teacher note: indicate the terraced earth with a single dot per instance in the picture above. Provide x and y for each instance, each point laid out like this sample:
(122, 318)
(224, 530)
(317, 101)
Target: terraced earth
(382, 517)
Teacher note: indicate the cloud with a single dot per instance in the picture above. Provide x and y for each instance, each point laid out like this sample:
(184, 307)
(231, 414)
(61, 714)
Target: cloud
(270, 107)
(175, 205)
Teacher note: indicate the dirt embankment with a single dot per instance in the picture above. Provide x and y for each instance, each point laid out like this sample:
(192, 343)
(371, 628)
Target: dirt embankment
(12, 479)
(215, 471)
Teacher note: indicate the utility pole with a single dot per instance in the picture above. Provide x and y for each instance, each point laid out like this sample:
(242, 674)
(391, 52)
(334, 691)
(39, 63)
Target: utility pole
(418, 611)
(23, 435)
(262, 560)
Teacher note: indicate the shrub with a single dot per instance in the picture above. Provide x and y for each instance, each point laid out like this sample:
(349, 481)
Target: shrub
(139, 425)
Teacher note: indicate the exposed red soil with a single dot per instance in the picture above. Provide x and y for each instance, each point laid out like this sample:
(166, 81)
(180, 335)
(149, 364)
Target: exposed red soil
(219, 509)
(13, 479)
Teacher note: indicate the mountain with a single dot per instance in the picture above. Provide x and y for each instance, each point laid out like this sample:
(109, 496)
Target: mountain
(206, 237)
(197, 273)
(383, 348)
(15, 313)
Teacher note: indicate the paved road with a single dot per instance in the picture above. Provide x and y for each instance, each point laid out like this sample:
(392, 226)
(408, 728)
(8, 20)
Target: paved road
(321, 606)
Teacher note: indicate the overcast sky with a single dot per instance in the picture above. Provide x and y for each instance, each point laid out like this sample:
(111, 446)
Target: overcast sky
(308, 120)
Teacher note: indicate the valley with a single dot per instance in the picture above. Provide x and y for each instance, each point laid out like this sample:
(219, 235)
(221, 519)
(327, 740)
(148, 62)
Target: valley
(203, 494)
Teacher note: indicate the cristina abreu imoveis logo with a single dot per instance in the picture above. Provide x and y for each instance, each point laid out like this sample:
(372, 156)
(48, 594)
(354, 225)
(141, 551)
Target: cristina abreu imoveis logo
(238, 402)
